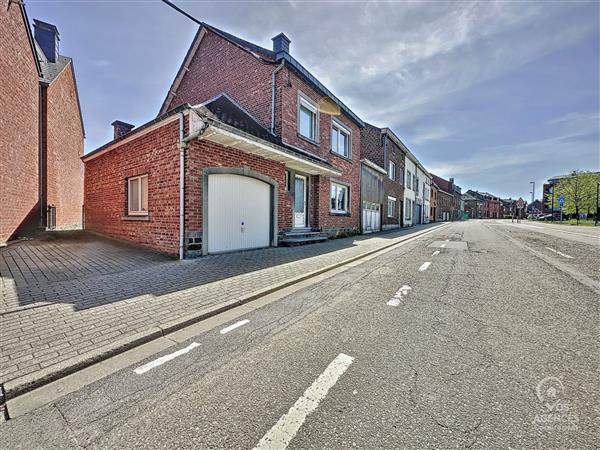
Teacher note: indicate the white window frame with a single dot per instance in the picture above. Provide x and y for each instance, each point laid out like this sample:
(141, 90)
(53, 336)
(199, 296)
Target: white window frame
(408, 209)
(392, 173)
(304, 100)
(347, 198)
(393, 202)
(140, 211)
(337, 126)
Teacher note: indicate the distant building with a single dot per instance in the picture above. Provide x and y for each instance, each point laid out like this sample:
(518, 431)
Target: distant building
(433, 202)
(483, 205)
(449, 204)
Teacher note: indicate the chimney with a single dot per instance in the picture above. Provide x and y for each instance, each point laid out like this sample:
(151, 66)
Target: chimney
(47, 37)
(121, 128)
(451, 180)
(281, 44)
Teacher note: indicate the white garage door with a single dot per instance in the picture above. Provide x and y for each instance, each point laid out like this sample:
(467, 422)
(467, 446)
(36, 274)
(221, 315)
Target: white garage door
(239, 213)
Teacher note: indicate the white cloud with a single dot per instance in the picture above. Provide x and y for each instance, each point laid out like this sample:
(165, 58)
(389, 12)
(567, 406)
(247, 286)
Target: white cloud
(423, 135)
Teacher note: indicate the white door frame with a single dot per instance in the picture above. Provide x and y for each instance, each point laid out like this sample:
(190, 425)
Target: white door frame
(300, 218)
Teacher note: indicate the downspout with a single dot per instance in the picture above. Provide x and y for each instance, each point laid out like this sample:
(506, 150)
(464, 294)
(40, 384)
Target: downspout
(40, 153)
(182, 147)
(183, 144)
(277, 69)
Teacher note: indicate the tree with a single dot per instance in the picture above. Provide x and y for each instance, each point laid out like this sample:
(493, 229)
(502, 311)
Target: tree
(579, 190)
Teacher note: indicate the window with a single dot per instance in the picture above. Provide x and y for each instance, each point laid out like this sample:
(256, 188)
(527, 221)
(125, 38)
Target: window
(137, 192)
(408, 210)
(391, 209)
(340, 139)
(392, 170)
(339, 198)
(288, 178)
(408, 180)
(307, 118)
(417, 185)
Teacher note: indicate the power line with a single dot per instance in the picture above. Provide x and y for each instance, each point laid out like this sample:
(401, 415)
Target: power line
(179, 10)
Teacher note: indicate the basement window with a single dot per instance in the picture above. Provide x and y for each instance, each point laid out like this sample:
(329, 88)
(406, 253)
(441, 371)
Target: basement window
(137, 196)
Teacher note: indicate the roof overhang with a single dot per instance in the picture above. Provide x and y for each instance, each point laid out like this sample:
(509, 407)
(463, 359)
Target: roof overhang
(228, 136)
(372, 165)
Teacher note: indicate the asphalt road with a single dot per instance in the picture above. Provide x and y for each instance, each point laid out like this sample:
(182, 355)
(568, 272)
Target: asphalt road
(494, 344)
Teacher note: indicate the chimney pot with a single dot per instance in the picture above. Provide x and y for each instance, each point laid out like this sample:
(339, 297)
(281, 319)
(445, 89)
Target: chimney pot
(121, 128)
(281, 43)
(47, 37)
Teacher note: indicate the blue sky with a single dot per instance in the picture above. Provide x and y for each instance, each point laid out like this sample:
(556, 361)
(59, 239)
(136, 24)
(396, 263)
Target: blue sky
(495, 94)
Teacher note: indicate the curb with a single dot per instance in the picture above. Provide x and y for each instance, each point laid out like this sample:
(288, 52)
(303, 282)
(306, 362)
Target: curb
(21, 385)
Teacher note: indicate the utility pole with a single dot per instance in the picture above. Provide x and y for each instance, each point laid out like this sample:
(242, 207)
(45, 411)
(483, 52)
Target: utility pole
(552, 187)
(597, 208)
(532, 184)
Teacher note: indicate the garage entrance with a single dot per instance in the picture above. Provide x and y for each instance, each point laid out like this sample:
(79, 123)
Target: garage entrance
(238, 212)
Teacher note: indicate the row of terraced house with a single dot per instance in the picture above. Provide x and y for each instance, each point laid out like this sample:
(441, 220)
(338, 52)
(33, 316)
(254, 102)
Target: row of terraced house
(248, 150)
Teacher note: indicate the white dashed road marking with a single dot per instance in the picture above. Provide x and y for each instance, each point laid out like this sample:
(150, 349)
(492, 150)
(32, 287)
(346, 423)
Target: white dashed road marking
(437, 252)
(163, 359)
(442, 246)
(559, 253)
(424, 266)
(395, 300)
(288, 425)
(234, 326)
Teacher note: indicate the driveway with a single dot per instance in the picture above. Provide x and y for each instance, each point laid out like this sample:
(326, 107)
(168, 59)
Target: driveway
(67, 301)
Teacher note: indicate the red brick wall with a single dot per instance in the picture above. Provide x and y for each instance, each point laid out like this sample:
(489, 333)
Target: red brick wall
(64, 150)
(219, 66)
(157, 155)
(286, 124)
(373, 147)
(105, 187)
(204, 154)
(19, 104)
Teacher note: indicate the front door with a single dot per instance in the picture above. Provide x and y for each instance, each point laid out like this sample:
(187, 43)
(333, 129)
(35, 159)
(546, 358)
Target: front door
(299, 201)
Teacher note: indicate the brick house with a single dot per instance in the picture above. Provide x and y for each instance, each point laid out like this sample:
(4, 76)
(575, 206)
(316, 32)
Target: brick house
(41, 173)
(433, 202)
(483, 205)
(446, 200)
(384, 148)
(261, 125)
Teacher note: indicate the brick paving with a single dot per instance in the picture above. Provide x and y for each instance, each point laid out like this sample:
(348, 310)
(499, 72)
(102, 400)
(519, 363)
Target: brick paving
(62, 299)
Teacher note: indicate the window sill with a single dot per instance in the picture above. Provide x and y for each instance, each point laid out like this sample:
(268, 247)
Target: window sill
(309, 140)
(140, 218)
(345, 158)
(340, 214)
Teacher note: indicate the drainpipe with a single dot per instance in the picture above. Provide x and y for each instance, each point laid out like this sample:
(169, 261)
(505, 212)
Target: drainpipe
(183, 144)
(277, 69)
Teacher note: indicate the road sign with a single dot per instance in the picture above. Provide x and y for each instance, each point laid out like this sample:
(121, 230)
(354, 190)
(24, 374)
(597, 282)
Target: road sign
(520, 203)
(561, 200)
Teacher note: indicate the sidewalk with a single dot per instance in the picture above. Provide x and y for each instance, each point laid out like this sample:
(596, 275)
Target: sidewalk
(53, 327)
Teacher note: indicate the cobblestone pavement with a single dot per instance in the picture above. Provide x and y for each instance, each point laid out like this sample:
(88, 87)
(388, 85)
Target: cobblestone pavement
(65, 298)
